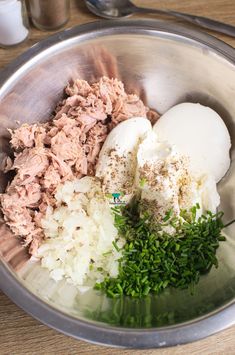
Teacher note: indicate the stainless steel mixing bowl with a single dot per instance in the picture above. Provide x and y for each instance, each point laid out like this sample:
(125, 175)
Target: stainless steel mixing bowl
(165, 64)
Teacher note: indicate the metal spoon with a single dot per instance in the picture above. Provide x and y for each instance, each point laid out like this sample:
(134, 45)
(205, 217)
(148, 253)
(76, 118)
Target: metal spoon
(113, 9)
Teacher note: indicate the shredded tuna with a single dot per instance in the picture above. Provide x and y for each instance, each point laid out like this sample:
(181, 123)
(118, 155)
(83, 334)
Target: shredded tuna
(27, 136)
(63, 148)
(31, 163)
(153, 116)
(52, 178)
(78, 87)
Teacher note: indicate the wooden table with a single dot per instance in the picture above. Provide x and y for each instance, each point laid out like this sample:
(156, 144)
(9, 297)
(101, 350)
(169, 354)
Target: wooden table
(20, 333)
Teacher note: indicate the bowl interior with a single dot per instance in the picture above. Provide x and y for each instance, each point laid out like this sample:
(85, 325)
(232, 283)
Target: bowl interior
(164, 69)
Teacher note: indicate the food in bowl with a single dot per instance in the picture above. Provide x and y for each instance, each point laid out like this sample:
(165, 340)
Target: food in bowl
(107, 195)
(65, 147)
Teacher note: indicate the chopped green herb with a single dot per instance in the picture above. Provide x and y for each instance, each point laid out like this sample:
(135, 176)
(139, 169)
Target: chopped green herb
(142, 182)
(153, 259)
(109, 195)
(168, 215)
(116, 246)
(107, 253)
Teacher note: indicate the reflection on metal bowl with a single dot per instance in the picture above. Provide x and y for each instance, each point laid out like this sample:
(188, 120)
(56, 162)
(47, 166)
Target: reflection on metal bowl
(165, 64)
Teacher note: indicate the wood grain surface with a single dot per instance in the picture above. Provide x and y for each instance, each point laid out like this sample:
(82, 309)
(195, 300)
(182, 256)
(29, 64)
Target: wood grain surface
(20, 334)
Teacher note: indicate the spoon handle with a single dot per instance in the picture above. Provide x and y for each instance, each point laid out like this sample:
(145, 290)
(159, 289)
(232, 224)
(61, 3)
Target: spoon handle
(197, 20)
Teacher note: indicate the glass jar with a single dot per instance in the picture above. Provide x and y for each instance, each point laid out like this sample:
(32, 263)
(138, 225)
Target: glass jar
(14, 24)
(49, 14)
